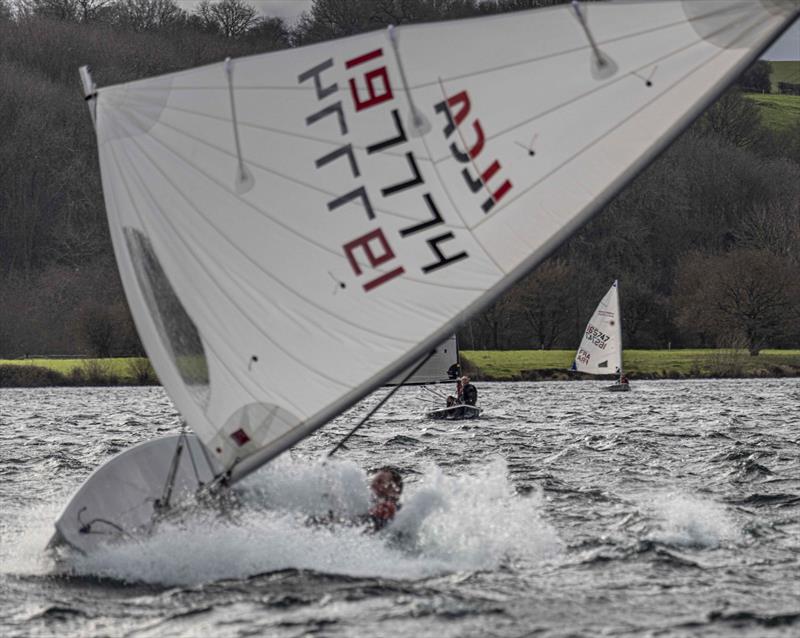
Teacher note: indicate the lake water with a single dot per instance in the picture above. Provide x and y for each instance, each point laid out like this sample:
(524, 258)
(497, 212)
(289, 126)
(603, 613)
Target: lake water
(672, 510)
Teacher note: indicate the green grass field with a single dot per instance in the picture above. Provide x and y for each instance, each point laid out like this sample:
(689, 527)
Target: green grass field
(119, 371)
(785, 71)
(489, 365)
(778, 112)
(506, 365)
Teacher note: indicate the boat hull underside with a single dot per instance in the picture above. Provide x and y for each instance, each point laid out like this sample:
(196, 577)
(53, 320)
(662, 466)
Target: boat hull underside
(123, 497)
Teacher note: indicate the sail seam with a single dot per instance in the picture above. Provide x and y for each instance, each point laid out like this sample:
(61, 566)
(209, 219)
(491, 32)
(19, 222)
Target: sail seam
(221, 288)
(633, 115)
(295, 180)
(271, 218)
(501, 67)
(255, 395)
(125, 182)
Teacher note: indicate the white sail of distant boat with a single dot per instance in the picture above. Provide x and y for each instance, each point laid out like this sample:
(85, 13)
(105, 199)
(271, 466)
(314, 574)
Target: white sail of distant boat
(600, 351)
(440, 367)
(294, 228)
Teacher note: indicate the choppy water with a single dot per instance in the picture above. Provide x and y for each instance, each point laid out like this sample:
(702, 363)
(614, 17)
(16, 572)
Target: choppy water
(673, 510)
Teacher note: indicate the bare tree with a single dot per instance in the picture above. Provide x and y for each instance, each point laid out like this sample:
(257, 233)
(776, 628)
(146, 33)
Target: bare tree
(545, 301)
(231, 18)
(69, 10)
(746, 293)
(269, 34)
(734, 118)
(149, 15)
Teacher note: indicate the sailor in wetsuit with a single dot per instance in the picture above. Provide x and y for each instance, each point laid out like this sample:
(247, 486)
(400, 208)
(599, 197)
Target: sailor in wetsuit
(469, 392)
(386, 486)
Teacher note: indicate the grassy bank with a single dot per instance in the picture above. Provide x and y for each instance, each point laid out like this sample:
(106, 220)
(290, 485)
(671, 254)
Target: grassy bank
(22, 373)
(778, 112)
(484, 365)
(784, 71)
(517, 365)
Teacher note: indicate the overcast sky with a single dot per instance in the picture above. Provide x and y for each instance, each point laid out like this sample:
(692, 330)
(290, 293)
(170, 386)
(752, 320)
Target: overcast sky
(786, 48)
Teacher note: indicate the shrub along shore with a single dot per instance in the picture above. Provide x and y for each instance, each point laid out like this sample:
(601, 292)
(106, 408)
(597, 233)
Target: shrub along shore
(481, 365)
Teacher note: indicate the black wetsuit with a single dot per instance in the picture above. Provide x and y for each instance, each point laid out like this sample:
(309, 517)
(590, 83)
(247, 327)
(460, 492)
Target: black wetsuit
(470, 394)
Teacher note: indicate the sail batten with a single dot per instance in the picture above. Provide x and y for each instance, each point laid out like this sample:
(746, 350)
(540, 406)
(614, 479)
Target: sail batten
(361, 244)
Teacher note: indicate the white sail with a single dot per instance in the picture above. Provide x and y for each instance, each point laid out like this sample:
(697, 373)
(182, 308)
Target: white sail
(441, 367)
(294, 228)
(600, 351)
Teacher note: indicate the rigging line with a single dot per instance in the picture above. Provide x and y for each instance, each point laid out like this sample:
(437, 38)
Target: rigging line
(278, 223)
(596, 141)
(166, 495)
(382, 401)
(222, 338)
(191, 456)
(432, 391)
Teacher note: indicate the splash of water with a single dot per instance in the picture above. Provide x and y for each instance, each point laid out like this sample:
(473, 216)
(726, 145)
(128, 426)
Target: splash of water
(447, 524)
(690, 521)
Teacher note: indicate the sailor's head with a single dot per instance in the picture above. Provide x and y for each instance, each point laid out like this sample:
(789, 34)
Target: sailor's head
(387, 483)
(464, 380)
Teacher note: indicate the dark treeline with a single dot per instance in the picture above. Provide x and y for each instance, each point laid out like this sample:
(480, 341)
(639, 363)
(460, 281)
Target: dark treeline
(705, 242)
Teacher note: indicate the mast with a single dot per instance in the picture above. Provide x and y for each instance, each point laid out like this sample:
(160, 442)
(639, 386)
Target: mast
(619, 330)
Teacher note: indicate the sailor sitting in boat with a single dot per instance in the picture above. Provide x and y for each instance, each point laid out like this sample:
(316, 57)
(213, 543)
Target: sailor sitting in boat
(469, 393)
(459, 398)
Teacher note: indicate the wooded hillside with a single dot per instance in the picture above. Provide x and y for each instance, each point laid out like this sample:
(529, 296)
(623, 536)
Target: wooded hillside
(705, 243)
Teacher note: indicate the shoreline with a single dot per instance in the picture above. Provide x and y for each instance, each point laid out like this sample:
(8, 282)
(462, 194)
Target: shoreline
(481, 365)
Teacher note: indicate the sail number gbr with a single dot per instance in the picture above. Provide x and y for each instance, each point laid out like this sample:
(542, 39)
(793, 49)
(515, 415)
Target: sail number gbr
(370, 86)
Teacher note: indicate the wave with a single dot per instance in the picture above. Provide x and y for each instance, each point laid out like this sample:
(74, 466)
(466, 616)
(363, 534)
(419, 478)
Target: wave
(686, 521)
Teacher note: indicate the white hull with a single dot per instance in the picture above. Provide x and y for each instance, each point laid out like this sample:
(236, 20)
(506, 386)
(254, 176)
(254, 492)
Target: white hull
(119, 499)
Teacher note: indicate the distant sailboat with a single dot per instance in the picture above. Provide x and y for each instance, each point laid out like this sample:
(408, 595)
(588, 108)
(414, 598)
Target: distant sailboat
(293, 229)
(440, 367)
(600, 351)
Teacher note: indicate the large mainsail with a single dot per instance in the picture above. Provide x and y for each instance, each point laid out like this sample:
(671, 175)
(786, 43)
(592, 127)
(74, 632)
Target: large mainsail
(294, 228)
(600, 351)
